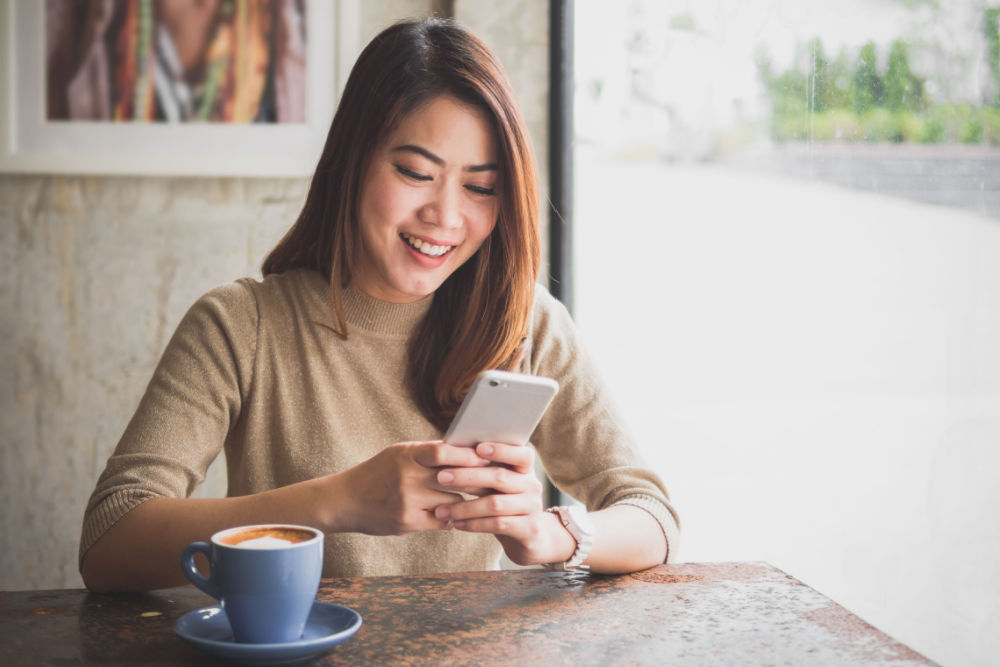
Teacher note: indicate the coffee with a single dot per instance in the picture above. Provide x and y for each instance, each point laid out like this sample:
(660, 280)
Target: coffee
(267, 537)
(265, 577)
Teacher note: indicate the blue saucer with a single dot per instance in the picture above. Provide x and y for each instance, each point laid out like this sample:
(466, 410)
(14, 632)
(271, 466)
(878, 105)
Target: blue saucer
(327, 626)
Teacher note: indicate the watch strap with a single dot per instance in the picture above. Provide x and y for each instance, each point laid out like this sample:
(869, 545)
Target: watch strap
(579, 524)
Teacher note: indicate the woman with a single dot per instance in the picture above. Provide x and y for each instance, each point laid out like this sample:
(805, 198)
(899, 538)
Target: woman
(411, 268)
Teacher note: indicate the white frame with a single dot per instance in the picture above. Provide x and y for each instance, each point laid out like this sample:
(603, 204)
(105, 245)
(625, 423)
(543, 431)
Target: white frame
(31, 144)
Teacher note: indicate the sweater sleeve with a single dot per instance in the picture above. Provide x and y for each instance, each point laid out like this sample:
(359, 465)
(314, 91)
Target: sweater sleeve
(189, 407)
(583, 445)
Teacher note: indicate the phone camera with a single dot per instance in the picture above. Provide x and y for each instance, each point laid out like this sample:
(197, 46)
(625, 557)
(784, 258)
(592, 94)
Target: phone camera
(494, 383)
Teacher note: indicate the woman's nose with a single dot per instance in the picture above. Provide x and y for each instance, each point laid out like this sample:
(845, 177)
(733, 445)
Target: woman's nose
(444, 208)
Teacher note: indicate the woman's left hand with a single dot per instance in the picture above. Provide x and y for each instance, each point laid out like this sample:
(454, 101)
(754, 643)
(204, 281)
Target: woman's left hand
(509, 505)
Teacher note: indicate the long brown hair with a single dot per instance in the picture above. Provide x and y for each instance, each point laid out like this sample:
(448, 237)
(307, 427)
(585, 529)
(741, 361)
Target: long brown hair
(481, 312)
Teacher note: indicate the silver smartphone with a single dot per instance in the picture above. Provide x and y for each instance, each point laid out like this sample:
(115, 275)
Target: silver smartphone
(501, 407)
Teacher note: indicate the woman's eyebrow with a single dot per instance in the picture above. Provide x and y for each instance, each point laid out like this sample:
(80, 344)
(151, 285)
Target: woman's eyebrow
(418, 150)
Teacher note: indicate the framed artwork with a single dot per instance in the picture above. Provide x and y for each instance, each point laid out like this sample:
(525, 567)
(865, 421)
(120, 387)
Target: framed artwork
(222, 88)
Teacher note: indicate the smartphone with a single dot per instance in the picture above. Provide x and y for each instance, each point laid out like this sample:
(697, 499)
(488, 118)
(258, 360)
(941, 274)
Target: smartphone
(501, 407)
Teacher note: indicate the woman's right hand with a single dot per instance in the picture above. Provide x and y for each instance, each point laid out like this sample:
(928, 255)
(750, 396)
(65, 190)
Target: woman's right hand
(396, 491)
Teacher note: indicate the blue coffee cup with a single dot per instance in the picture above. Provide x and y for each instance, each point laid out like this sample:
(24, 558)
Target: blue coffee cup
(264, 576)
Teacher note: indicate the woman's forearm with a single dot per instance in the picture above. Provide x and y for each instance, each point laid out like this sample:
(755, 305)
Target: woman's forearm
(626, 539)
(142, 550)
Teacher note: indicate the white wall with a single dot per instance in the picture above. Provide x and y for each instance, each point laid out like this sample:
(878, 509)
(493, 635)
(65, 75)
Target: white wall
(98, 273)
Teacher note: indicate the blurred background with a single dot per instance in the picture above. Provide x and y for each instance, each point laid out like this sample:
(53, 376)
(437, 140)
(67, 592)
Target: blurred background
(787, 264)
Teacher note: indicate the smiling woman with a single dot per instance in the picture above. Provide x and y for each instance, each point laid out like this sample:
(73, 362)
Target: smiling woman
(479, 318)
(411, 269)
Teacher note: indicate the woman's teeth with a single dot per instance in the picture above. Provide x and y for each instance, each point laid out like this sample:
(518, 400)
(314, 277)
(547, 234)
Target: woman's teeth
(426, 248)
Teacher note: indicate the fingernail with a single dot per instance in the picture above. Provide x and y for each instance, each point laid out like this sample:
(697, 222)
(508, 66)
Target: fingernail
(442, 512)
(446, 477)
(484, 449)
(458, 524)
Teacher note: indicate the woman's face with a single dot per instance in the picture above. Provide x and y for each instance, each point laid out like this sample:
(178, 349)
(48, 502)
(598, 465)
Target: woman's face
(427, 200)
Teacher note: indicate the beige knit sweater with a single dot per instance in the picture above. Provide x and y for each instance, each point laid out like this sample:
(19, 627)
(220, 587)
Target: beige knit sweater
(257, 368)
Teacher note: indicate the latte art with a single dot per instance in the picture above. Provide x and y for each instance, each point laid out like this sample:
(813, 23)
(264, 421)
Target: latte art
(266, 542)
(269, 537)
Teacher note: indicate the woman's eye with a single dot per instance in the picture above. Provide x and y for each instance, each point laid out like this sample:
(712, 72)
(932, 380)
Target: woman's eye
(480, 190)
(409, 173)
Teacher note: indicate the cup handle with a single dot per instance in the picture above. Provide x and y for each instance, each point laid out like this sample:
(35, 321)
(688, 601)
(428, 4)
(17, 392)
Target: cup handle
(192, 573)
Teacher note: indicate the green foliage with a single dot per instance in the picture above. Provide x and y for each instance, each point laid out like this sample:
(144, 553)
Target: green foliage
(880, 124)
(944, 124)
(851, 100)
(991, 31)
(817, 77)
(867, 88)
(932, 131)
(903, 88)
(838, 90)
(836, 125)
(991, 126)
(909, 126)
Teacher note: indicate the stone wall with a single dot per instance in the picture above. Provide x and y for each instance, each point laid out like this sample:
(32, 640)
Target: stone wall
(99, 271)
(966, 177)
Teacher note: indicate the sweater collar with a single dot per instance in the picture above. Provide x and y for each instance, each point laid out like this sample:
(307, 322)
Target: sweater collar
(366, 312)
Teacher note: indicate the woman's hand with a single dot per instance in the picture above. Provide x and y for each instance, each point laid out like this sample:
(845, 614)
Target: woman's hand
(397, 490)
(509, 505)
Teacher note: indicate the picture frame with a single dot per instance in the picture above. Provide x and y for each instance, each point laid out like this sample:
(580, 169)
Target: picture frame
(30, 143)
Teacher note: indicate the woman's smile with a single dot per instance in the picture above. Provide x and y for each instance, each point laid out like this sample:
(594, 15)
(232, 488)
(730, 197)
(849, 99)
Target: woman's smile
(425, 247)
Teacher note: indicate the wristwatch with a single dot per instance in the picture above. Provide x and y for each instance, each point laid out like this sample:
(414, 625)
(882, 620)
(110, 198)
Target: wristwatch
(579, 524)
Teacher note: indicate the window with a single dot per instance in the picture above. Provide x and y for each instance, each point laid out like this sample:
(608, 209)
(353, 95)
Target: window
(787, 265)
